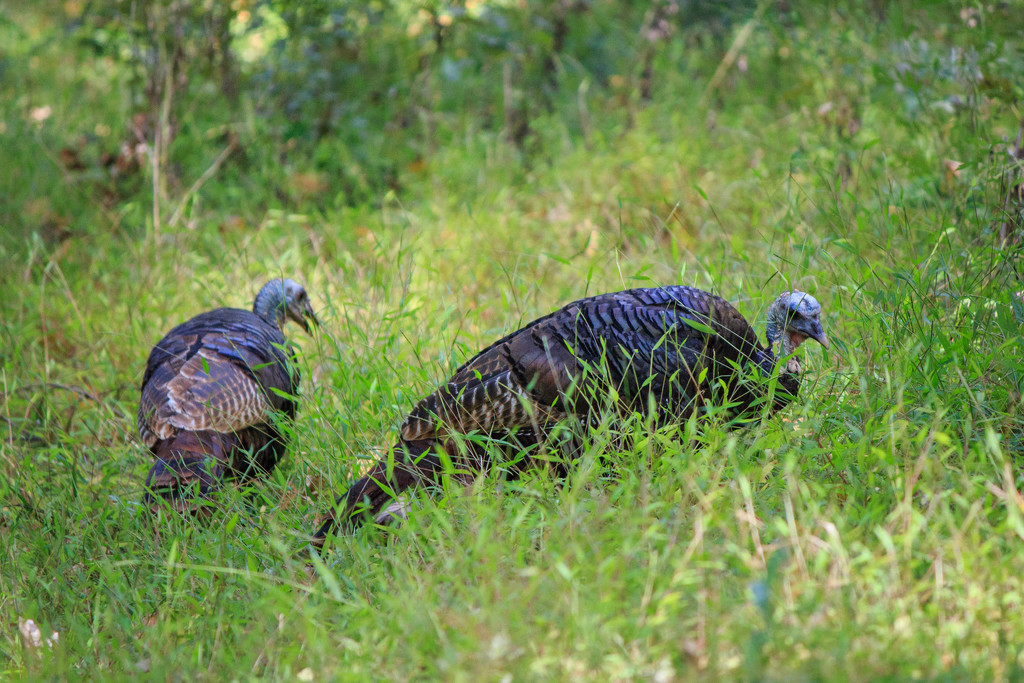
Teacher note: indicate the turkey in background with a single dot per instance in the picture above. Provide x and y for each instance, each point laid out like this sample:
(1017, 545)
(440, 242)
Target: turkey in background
(213, 390)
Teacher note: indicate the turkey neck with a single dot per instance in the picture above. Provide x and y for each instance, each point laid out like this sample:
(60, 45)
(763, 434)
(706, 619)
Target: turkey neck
(784, 349)
(270, 303)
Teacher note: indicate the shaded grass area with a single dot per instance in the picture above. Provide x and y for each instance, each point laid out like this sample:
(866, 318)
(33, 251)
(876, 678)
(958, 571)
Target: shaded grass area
(872, 530)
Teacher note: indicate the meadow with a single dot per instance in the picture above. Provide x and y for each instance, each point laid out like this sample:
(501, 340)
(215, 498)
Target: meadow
(437, 174)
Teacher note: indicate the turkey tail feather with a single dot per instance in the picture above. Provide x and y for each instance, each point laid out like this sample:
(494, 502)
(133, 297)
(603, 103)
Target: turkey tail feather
(189, 467)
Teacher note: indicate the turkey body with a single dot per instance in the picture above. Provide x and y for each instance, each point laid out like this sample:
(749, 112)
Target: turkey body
(210, 393)
(672, 350)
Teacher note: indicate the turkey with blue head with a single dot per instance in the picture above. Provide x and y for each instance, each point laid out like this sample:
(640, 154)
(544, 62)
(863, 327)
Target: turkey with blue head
(673, 350)
(214, 392)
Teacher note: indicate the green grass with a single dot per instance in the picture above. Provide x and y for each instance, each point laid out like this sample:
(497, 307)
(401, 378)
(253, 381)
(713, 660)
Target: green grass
(872, 530)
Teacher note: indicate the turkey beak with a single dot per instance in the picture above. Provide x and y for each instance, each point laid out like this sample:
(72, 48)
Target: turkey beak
(809, 328)
(818, 334)
(308, 316)
(303, 315)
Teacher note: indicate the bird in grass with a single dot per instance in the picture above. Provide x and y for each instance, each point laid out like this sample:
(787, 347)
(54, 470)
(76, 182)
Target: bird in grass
(214, 394)
(671, 350)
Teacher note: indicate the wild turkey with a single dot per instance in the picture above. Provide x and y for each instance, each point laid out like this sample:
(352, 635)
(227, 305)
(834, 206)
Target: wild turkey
(210, 392)
(672, 348)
